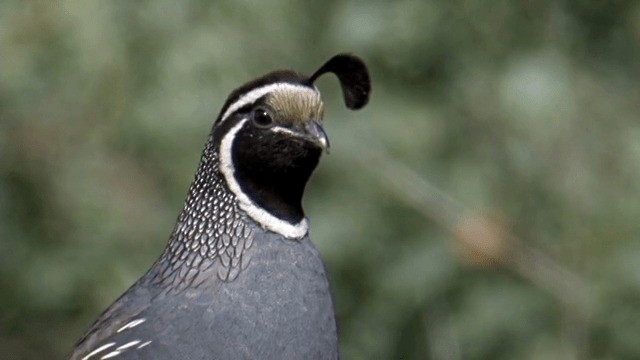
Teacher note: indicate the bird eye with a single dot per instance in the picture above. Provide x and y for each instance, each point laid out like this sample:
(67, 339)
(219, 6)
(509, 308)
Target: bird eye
(262, 117)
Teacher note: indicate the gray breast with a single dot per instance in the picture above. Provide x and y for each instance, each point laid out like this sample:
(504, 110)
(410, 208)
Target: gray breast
(279, 307)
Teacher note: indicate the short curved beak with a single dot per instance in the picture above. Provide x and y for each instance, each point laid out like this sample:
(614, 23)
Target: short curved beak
(315, 131)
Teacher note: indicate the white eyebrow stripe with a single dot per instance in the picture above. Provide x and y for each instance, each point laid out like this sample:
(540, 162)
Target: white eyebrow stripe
(101, 348)
(257, 93)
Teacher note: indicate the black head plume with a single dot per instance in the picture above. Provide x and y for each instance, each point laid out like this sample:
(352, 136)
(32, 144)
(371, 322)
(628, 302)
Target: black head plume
(353, 76)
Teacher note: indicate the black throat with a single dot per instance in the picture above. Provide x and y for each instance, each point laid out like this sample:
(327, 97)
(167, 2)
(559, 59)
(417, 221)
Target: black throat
(273, 169)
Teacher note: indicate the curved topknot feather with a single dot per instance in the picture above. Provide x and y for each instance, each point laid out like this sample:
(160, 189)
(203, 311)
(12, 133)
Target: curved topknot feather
(354, 79)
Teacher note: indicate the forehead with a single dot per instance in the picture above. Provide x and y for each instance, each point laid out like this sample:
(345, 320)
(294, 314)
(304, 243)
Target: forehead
(296, 103)
(285, 98)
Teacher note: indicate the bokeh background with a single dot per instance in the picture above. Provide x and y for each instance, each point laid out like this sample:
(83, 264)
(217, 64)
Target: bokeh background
(486, 205)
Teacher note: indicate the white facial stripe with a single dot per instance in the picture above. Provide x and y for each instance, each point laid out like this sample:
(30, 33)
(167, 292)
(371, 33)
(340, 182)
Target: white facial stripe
(257, 93)
(284, 130)
(260, 215)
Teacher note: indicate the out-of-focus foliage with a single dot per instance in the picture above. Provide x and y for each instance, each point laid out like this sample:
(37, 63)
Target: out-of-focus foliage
(527, 110)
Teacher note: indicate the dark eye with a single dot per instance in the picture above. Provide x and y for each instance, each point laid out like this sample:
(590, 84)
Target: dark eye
(262, 117)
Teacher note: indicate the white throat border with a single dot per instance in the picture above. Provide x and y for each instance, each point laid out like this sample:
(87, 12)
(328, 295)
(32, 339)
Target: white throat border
(257, 213)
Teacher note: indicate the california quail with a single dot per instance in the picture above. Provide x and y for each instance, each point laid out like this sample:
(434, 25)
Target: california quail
(239, 277)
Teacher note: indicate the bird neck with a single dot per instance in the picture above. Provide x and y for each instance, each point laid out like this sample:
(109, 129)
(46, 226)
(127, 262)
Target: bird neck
(211, 229)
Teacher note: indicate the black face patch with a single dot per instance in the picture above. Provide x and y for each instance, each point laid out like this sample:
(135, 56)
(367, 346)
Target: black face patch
(268, 156)
(273, 168)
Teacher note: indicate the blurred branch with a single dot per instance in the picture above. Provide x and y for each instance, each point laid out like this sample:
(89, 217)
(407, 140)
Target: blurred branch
(482, 239)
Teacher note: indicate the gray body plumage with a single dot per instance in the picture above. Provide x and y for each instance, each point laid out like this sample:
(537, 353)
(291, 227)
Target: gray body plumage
(279, 308)
(224, 288)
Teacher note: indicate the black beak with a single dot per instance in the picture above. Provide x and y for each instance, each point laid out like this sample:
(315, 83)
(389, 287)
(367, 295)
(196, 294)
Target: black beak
(315, 131)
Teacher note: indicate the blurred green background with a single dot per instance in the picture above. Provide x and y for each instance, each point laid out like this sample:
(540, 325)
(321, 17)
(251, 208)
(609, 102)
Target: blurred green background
(486, 205)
